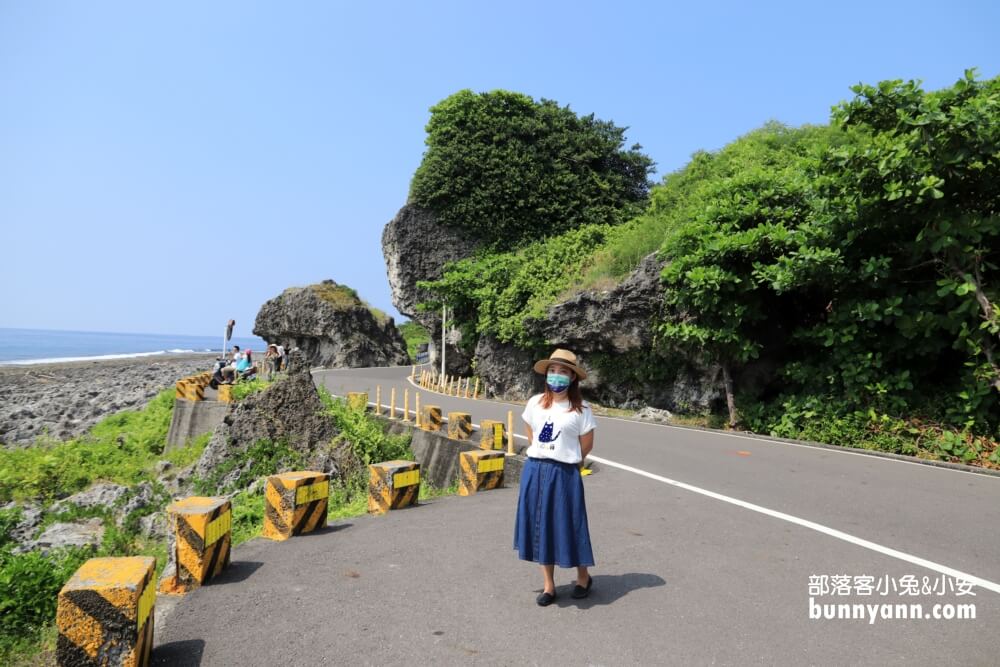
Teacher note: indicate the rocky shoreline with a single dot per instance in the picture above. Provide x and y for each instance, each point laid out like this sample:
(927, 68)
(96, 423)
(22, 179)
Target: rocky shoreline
(63, 400)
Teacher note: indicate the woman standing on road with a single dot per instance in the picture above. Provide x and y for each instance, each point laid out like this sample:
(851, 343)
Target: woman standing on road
(551, 524)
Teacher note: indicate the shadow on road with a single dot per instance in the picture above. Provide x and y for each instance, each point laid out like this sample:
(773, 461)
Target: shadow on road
(238, 571)
(608, 588)
(186, 653)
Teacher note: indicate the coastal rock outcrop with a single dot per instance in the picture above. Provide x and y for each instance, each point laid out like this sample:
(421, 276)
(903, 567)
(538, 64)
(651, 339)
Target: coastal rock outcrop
(416, 247)
(616, 320)
(64, 400)
(332, 327)
(288, 412)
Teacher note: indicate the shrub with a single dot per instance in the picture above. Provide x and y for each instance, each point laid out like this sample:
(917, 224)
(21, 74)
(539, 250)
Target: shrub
(512, 169)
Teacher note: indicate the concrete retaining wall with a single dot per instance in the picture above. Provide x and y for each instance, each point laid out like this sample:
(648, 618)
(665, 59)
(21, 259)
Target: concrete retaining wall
(193, 418)
(438, 455)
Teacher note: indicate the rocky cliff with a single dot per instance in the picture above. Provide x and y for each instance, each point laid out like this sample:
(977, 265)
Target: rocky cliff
(332, 327)
(416, 247)
(288, 411)
(610, 329)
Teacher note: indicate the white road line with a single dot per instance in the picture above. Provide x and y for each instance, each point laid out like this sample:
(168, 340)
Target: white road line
(812, 525)
(805, 523)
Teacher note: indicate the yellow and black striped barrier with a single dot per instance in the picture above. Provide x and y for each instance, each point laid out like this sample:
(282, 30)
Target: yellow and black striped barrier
(225, 393)
(295, 503)
(393, 485)
(105, 613)
(189, 390)
(357, 400)
(203, 537)
(491, 434)
(430, 418)
(480, 470)
(459, 425)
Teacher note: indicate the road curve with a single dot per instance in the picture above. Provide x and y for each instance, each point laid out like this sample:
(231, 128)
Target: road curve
(706, 546)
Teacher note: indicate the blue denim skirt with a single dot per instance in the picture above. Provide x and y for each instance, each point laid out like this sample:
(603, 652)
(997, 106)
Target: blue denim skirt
(551, 523)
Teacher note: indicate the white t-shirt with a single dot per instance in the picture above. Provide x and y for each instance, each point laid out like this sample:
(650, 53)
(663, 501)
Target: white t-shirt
(556, 432)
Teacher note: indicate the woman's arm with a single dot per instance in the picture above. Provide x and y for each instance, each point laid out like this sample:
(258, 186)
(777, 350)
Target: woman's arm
(586, 443)
(527, 431)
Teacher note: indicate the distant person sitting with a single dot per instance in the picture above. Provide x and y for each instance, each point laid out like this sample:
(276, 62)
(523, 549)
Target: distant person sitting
(229, 371)
(244, 367)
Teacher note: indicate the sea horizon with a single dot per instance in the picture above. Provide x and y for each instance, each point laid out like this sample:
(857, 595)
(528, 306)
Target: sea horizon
(25, 346)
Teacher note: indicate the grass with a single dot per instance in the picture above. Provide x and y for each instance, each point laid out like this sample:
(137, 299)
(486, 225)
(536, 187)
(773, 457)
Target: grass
(122, 448)
(343, 297)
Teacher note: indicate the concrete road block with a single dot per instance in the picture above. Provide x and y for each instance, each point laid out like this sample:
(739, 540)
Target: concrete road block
(480, 470)
(430, 418)
(459, 425)
(357, 400)
(491, 434)
(202, 529)
(393, 485)
(225, 393)
(105, 613)
(295, 503)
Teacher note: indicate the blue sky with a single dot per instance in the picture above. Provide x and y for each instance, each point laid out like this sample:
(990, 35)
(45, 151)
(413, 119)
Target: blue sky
(165, 168)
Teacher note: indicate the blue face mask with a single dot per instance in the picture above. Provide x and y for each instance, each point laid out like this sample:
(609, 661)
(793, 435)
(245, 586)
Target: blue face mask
(557, 383)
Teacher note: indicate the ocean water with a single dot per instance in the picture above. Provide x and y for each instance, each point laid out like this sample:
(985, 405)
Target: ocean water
(41, 346)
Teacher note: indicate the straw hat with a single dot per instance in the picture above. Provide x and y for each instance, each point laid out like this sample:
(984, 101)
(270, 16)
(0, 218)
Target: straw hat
(564, 358)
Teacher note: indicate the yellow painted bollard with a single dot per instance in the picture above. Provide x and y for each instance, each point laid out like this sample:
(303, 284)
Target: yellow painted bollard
(416, 412)
(491, 435)
(475, 394)
(510, 432)
(430, 418)
(406, 405)
(459, 425)
(295, 503)
(202, 529)
(105, 613)
(393, 485)
(225, 393)
(378, 399)
(392, 404)
(357, 400)
(480, 470)
(185, 389)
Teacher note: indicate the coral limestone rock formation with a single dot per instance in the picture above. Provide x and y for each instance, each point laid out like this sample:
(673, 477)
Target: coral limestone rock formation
(332, 327)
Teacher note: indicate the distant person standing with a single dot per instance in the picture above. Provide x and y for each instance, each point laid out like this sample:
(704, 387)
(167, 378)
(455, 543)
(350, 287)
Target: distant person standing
(282, 357)
(272, 360)
(550, 527)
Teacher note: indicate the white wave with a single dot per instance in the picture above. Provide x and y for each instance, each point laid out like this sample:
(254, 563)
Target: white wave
(100, 357)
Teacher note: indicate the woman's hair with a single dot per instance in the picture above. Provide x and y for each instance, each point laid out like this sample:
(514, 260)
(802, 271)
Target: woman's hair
(574, 395)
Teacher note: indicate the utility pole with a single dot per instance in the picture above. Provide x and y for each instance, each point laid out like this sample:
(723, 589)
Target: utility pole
(444, 317)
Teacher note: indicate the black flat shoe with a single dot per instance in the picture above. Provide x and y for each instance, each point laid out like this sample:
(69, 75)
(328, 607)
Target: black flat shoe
(545, 599)
(580, 592)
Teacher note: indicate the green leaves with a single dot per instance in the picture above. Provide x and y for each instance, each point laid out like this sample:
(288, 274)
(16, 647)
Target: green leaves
(515, 170)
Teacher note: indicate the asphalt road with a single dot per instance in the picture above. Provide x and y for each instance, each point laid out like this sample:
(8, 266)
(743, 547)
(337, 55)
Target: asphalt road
(706, 544)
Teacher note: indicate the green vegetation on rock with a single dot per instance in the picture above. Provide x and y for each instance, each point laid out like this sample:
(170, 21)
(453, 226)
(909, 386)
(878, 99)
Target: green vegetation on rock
(857, 259)
(342, 297)
(512, 169)
(414, 335)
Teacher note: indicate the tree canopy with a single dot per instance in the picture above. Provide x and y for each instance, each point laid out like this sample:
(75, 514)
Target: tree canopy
(513, 169)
